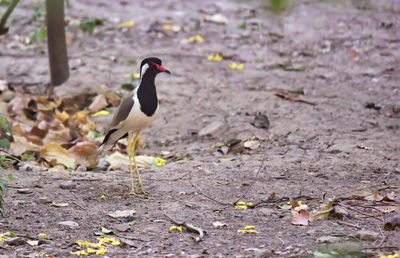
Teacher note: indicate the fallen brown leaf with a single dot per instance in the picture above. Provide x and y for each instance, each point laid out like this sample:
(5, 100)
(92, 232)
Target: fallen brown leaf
(99, 102)
(301, 217)
(55, 154)
(86, 154)
(387, 209)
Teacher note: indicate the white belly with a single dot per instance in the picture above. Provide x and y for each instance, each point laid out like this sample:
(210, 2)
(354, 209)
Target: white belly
(137, 120)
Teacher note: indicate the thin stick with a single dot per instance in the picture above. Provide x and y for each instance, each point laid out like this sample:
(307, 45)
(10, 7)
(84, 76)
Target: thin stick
(255, 179)
(347, 224)
(363, 213)
(366, 187)
(208, 197)
(189, 227)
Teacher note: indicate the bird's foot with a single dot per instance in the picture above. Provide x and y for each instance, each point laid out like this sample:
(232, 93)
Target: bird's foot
(132, 192)
(143, 191)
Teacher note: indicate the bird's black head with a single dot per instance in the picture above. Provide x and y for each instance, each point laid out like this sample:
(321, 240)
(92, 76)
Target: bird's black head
(152, 64)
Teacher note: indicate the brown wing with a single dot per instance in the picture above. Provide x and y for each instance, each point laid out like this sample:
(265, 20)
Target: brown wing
(123, 110)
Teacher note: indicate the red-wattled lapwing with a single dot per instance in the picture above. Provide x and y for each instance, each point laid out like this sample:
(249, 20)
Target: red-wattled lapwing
(135, 113)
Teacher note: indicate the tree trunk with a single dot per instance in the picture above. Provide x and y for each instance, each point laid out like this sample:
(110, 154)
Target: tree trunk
(56, 44)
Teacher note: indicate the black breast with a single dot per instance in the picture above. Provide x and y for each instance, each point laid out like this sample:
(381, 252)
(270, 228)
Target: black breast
(147, 94)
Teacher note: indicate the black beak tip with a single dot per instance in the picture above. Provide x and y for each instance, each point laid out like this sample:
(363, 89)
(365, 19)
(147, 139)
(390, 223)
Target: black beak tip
(167, 71)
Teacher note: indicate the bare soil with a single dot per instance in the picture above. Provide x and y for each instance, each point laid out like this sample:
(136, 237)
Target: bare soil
(351, 55)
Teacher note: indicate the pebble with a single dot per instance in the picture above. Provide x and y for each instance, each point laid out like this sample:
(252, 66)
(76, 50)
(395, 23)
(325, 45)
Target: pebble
(24, 191)
(68, 223)
(367, 235)
(15, 241)
(81, 169)
(44, 200)
(211, 129)
(67, 185)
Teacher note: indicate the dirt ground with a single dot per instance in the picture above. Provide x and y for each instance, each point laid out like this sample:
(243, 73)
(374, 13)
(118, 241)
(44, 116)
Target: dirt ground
(351, 55)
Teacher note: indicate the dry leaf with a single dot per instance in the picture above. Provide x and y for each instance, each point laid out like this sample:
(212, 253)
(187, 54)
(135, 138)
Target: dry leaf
(120, 161)
(389, 196)
(86, 154)
(252, 145)
(122, 214)
(323, 211)
(373, 197)
(98, 103)
(54, 152)
(21, 145)
(387, 209)
(59, 136)
(301, 217)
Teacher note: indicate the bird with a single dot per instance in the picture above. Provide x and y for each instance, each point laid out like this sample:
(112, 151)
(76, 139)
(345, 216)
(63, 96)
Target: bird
(135, 113)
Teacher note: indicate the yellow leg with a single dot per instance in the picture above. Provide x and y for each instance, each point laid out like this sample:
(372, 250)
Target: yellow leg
(134, 162)
(130, 164)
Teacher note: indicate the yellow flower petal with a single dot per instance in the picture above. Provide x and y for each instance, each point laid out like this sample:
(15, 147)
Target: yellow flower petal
(249, 204)
(103, 197)
(233, 66)
(215, 57)
(241, 203)
(43, 235)
(240, 67)
(160, 162)
(91, 251)
(135, 75)
(101, 251)
(167, 27)
(127, 24)
(101, 113)
(249, 227)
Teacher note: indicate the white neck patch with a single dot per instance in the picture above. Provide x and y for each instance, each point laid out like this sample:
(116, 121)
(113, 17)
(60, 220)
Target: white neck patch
(144, 69)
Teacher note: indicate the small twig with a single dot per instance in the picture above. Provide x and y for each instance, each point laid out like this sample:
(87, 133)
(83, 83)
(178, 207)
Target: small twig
(256, 177)
(189, 227)
(289, 97)
(26, 84)
(363, 213)
(80, 206)
(208, 197)
(348, 224)
(363, 188)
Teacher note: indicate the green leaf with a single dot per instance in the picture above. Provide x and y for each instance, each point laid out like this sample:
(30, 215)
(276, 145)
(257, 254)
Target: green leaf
(242, 26)
(232, 142)
(5, 144)
(133, 222)
(39, 34)
(37, 14)
(285, 207)
(106, 231)
(129, 62)
(226, 159)
(10, 177)
(293, 68)
(128, 86)
(219, 144)
(88, 26)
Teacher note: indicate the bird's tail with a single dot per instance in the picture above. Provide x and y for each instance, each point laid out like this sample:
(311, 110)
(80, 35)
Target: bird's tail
(112, 136)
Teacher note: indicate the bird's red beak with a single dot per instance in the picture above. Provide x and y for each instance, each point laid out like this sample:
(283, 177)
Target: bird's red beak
(161, 68)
